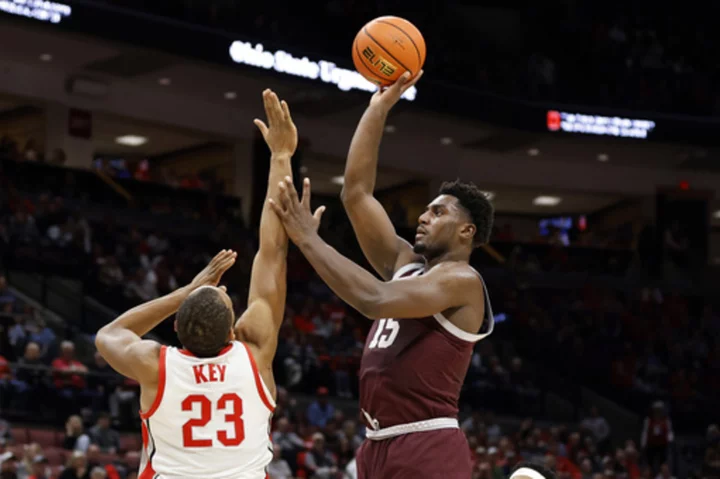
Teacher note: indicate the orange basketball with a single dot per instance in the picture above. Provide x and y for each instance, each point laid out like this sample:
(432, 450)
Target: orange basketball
(386, 48)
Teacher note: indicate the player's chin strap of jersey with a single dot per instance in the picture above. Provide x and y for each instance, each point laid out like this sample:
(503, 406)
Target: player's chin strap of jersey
(526, 473)
(375, 433)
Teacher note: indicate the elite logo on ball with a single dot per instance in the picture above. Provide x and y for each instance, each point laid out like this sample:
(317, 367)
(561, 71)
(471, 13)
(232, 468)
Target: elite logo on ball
(382, 65)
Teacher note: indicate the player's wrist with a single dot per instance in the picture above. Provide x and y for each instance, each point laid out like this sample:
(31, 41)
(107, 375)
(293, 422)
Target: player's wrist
(381, 109)
(281, 156)
(307, 239)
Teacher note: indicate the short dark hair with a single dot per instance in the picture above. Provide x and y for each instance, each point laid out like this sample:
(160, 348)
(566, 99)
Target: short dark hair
(204, 322)
(477, 205)
(542, 470)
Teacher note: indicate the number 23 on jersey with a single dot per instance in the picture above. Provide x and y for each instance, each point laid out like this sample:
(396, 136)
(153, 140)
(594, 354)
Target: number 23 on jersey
(385, 334)
(229, 403)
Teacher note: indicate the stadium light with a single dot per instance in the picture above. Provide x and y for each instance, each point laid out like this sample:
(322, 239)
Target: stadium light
(547, 201)
(716, 215)
(131, 140)
(338, 180)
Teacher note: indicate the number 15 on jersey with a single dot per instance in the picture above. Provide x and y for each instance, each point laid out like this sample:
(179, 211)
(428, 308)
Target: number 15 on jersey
(385, 334)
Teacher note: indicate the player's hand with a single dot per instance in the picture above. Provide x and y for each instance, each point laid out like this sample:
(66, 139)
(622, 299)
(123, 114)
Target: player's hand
(280, 133)
(386, 97)
(295, 214)
(211, 275)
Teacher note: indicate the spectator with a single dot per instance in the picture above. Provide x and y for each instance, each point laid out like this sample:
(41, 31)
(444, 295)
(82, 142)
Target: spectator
(665, 473)
(8, 466)
(98, 473)
(320, 411)
(75, 438)
(319, 461)
(95, 459)
(40, 333)
(69, 373)
(26, 467)
(103, 436)
(284, 437)
(40, 468)
(31, 374)
(657, 436)
(5, 432)
(279, 467)
(598, 426)
(349, 433)
(77, 467)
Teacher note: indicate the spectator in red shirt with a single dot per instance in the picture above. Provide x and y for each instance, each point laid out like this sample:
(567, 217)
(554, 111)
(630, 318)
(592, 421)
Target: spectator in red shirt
(69, 378)
(69, 372)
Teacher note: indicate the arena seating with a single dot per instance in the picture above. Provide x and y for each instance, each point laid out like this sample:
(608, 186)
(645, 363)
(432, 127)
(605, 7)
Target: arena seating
(121, 264)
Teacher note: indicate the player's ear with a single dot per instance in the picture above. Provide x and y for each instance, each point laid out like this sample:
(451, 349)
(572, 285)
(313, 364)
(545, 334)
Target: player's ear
(467, 231)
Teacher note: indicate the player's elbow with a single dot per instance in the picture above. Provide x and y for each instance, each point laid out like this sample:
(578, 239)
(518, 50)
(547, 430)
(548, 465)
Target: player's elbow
(101, 339)
(372, 306)
(353, 194)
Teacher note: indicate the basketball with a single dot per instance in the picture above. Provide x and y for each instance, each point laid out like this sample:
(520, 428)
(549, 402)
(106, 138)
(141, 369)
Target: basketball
(386, 48)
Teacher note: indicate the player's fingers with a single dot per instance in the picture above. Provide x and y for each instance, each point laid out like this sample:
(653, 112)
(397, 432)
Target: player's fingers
(261, 126)
(286, 110)
(276, 208)
(274, 110)
(400, 82)
(412, 82)
(284, 198)
(229, 260)
(266, 105)
(318, 213)
(306, 193)
(218, 257)
(292, 192)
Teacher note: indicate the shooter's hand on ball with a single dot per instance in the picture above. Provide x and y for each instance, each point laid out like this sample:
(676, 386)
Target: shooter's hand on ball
(385, 98)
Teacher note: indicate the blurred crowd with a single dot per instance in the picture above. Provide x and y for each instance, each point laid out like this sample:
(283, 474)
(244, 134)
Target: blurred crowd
(319, 441)
(634, 345)
(635, 54)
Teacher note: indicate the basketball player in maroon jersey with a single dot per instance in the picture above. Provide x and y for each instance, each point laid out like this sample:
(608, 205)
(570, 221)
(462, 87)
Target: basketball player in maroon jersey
(431, 308)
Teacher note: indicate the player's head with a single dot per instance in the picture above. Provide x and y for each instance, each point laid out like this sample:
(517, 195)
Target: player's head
(526, 470)
(461, 217)
(204, 322)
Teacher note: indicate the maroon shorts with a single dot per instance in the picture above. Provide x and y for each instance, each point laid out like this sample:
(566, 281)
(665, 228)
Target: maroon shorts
(439, 454)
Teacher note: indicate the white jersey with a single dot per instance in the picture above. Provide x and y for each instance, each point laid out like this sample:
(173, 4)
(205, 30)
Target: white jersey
(210, 419)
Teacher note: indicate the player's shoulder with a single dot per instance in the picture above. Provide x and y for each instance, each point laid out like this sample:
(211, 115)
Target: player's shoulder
(146, 356)
(456, 271)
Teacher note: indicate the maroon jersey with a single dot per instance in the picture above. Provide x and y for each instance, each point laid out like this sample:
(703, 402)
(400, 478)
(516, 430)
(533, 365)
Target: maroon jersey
(413, 369)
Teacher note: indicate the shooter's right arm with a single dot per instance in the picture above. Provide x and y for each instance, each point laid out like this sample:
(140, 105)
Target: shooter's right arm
(382, 247)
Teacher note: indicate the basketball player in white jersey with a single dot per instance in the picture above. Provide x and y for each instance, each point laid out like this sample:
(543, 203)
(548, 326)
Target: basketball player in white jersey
(206, 408)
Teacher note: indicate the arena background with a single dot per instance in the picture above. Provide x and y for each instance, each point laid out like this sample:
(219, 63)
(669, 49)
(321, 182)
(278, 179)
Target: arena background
(128, 156)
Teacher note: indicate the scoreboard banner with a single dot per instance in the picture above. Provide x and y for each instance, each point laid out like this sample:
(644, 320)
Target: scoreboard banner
(203, 43)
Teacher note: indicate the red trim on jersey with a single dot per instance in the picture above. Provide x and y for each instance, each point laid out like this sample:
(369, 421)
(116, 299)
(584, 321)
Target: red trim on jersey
(258, 381)
(222, 351)
(145, 436)
(161, 385)
(148, 472)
